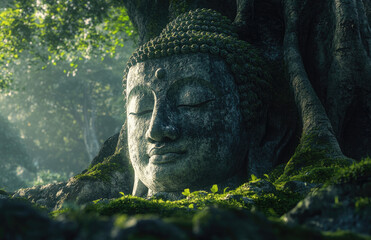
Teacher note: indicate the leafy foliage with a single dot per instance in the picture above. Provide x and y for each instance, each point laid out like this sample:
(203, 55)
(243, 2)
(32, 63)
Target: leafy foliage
(46, 176)
(54, 31)
(55, 112)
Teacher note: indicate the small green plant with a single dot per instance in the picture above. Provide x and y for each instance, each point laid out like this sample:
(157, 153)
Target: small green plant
(97, 201)
(254, 178)
(214, 188)
(267, 177)
(186, 192)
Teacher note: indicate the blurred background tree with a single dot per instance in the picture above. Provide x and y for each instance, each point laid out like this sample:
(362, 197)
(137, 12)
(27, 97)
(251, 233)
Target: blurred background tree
(13, 155)
(61, 67)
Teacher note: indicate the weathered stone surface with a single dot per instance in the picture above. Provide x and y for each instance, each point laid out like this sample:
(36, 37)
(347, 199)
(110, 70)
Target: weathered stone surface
(300, 187)
(108, 149)
(19, 220)
(345, 207)
(222, 224)
(4, 195)
(152, 228)
(78, 191)
(109, 174)
(184, 131)
(261, 186)
(45, 195)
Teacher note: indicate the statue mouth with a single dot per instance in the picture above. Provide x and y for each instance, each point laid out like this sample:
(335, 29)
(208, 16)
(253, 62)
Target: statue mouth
(160, 155)
(165, 158)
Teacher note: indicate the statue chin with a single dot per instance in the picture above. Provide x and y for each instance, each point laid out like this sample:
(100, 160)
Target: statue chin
(184, 125)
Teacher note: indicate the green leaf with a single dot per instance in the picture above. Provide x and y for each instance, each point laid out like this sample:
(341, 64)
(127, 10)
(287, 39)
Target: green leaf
(186, 192)
(253, 177)
(96, 201)
(214, 188)
(123, 194)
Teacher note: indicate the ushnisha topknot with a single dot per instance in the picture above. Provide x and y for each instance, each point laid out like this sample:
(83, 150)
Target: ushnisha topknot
(207, 31)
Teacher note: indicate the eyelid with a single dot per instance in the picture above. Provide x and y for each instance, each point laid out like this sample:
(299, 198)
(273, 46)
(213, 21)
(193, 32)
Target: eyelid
(196, 105)
(140, 113)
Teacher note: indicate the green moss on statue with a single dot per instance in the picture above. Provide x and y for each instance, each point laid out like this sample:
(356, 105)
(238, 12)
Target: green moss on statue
(104, 170)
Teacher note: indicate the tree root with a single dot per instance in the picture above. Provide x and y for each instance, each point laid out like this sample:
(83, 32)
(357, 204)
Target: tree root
(314, 118)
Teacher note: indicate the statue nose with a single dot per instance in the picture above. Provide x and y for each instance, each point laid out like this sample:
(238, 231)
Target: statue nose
(162, 127)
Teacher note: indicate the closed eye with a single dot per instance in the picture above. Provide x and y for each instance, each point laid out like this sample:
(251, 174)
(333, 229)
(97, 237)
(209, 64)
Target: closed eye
(140, 113)
(197, 104)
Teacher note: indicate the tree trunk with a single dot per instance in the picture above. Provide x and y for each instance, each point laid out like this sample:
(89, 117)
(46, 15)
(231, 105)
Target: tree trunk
(90, 136)
(313, 115)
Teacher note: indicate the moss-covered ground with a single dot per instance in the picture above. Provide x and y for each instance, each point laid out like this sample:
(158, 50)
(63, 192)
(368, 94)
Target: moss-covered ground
(251, 196)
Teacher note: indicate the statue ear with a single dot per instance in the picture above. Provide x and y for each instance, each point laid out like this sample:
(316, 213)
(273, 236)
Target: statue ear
(139, 189)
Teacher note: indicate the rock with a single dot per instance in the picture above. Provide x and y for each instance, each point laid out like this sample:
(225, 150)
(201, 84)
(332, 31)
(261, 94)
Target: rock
(109, 174)
(167, 196)
(152, 228)
(215, 223)
(3, 196)
(300, 187)
(108, 148)
(19, 220)
(104, 180)
(78, 191)
(345, 202)
(246, 200)
(344, 207)
(45, 194)
(261, 187)
(237, 197)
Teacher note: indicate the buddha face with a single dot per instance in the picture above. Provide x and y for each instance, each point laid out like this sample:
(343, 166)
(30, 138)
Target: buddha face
(185, 128)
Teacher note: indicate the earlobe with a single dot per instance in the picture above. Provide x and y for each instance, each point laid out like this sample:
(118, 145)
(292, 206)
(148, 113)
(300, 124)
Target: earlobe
(139, 189)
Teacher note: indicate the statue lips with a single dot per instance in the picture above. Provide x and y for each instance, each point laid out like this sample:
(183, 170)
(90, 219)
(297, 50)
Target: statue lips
(164, 154)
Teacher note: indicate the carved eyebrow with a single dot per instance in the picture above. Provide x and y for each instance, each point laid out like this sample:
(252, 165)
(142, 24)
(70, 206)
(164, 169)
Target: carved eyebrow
(136, 90)
(179, 83)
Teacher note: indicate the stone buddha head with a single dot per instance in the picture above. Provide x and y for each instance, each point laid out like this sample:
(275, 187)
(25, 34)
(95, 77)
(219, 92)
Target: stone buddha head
(190, 105)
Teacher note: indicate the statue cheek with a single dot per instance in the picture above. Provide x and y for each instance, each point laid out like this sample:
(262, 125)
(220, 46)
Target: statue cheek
(195, 123)
(136, 137)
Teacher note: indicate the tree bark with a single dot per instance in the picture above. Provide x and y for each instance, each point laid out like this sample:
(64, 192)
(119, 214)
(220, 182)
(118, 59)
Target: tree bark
(314, 118)
(148, 16)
